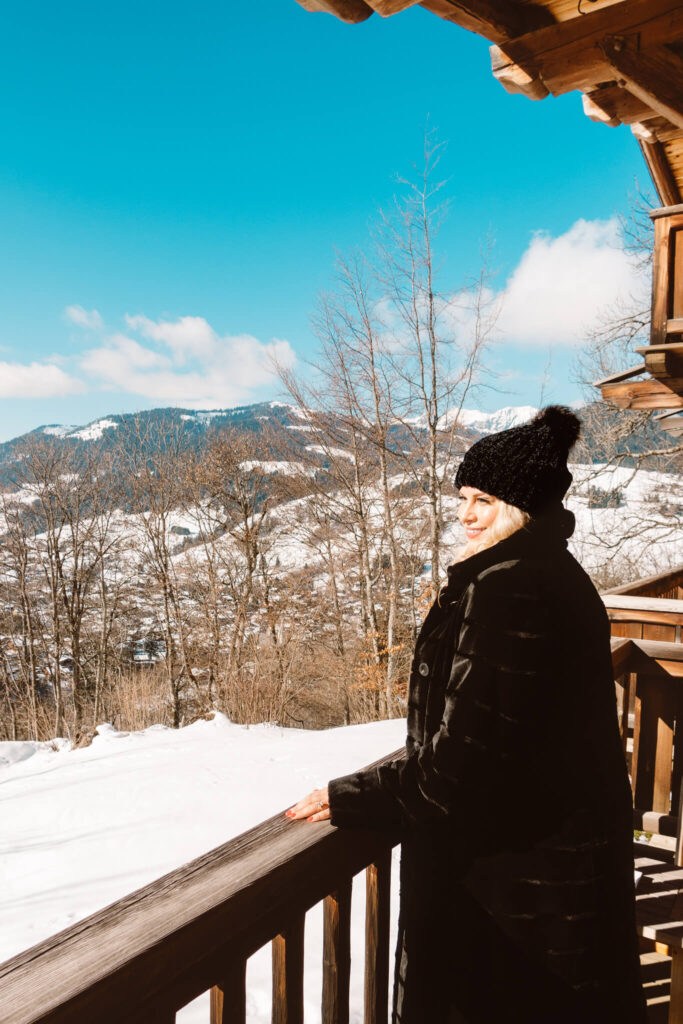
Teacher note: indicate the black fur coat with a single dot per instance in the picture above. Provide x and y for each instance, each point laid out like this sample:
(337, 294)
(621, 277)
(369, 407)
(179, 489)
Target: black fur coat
(517, 898)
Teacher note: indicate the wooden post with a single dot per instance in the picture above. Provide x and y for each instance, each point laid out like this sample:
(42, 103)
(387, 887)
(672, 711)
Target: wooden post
(654, 765)
(337, 955)
(377, 887)
(229, 997)
(288, 973)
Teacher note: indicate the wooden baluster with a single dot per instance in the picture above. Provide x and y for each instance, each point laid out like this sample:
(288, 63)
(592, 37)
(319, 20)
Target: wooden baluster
(653, 768)
(377, 887)
(336, 955)
(229, 996)
(288, 973)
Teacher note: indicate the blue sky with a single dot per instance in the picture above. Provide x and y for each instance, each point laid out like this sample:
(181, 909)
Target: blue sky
(187, 171)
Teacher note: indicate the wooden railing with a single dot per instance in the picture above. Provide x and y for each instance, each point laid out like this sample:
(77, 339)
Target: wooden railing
(648, 675)
(666, 584)
(143, 958)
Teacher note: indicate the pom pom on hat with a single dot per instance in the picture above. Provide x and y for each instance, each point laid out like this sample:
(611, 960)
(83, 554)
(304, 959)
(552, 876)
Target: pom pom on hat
(525, 466)
(564, 424)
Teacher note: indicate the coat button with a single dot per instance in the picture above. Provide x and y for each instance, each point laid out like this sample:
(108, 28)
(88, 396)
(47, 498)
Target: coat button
(423, 669)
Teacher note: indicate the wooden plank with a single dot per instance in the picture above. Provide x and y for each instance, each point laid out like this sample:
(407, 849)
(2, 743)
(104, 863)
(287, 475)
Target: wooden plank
(622, 685)
(645, 394)
(635, 749)
(660, 281)
(377, 890)
(614, 105)
(659, 631)
(653, 767)
(675, 324)
(567, 55)
(173, 933)
(652, 618)
(633, 371)
(658, 824)
(497, 20)
(659, 585)
(654, 76)
(229, 998)
(337, 955)
(675, 347)
(632, 630)
(663, 605)
(672, 668)
(350, 11)
(288, 973)
(388, 7)
(621, 654)
(661, 651)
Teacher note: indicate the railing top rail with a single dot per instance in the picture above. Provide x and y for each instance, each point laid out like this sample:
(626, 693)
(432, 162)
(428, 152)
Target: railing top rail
(633, 655)
(661, 583)
(236, 897)
(630, 602)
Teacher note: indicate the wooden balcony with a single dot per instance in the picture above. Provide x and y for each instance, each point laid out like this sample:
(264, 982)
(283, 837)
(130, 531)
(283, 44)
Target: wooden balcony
(146, 956)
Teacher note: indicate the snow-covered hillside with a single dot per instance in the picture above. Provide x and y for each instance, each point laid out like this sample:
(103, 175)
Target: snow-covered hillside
(82, 828)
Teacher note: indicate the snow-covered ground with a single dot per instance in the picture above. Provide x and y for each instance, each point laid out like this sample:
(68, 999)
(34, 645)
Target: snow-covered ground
(82, 828)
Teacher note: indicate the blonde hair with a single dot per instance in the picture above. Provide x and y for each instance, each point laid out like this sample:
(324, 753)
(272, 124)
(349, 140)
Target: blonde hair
(508, 520)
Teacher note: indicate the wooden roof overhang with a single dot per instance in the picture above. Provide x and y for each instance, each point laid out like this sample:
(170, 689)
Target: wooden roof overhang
(626, 58)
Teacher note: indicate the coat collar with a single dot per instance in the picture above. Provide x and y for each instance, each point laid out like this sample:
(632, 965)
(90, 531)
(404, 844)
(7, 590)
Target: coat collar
(543, 536)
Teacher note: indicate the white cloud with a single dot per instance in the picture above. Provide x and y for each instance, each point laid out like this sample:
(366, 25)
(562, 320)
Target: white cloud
(189, 365)
(90, 319)
(187, 337)
(561, 285)
(36, 380)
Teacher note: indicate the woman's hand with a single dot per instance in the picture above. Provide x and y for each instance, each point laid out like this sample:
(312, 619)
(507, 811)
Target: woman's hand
(314, 807)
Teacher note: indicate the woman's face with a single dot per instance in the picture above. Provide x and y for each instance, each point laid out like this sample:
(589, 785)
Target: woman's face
(477, 511)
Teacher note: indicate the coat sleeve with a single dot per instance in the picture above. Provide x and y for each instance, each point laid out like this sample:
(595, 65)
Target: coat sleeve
(496, 705)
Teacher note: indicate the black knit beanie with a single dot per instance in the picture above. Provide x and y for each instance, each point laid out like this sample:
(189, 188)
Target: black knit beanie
(525, 466)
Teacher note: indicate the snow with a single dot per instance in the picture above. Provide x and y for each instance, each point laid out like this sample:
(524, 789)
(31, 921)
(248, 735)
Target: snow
(490, 422)
(270, 466)
(337, 453)
(94, 430)
(82, 828)
(59, 431)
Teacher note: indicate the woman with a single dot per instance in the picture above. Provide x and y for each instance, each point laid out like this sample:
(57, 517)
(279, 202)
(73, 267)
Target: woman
(517, 899)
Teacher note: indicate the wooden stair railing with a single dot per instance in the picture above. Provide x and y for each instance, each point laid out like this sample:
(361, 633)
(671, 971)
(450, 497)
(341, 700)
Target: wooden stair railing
(145, 957)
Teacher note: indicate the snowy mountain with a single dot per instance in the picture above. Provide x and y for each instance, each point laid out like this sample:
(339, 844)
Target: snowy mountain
(492, 422)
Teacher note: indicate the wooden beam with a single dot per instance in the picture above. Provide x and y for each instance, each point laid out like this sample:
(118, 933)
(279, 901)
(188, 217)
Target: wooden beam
(498, 20)
(645, 394)
(654, 76)
(657, 129)
(568, 55)
(350, 11)
(663, 361)
(614, 105)
(388, 7)
(615, 378)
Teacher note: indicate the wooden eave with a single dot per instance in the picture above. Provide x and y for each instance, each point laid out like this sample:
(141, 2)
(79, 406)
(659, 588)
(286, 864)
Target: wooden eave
(626, 59)
(624, 56)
